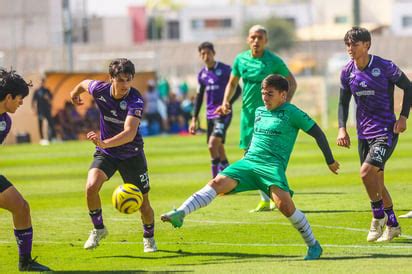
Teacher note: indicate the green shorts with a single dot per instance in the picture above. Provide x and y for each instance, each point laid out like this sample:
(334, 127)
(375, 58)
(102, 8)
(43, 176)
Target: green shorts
(255, 176)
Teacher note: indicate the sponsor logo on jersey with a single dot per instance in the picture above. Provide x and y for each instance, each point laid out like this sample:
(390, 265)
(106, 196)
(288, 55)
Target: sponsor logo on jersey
(123, 105)
(365, 92)
(138, 113)
(113, 120)
(376, 72)
(3, 125)
(352, 75)
(114, 113)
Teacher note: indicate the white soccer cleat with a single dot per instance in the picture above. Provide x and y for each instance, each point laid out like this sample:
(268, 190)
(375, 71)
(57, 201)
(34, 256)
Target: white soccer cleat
(149, 245)
(95, 236)
(376, 229)
(390, 233)
(407, 215)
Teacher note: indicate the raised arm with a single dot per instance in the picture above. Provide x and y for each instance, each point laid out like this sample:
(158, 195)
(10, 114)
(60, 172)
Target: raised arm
(405, 84)
(129, 132)
(317, 133)
(77, 90)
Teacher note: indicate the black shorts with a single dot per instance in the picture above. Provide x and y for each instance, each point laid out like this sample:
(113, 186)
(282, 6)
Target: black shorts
(377, 151)
(4, 183)
(218, 126)
(133, 170)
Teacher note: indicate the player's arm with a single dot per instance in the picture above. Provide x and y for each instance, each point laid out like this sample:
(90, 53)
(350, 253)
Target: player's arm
(343, 139)
(229, 91)
(129, 132)
(196, 108)
(77, 90)
(405, 84)
(317, 133)
(235, 96)
(292, 86)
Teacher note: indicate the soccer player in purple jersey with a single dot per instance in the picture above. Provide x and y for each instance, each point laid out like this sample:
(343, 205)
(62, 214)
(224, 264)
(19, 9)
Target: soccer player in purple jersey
(13, 88)
(213, 78)
(119, 146)
(371, 80)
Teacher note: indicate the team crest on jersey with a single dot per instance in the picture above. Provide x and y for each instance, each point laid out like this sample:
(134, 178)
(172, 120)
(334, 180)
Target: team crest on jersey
(123, 105)
(218, 72)
(376, 72)
(3, 126)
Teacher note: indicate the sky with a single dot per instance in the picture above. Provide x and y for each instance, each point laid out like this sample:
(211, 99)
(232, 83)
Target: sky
(119, 7)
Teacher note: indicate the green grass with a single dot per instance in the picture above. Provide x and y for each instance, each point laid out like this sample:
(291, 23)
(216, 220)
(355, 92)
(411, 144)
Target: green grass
(221, 238)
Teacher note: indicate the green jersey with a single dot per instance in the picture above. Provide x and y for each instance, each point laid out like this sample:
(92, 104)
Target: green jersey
(275, 134)
(253, 71)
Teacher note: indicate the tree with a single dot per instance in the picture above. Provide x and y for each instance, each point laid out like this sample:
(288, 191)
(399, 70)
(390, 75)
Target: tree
(281, 32)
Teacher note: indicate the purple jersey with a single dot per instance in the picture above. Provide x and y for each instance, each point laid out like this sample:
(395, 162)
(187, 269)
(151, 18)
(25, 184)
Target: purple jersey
(113, 113)
(373, 91)
(214, 82)
(5, 125)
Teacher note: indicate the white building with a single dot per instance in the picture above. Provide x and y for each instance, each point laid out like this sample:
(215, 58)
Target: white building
(402, 17)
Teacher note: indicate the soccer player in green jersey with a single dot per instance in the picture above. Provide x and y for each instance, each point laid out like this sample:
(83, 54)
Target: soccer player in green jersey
(263, 167)
(253, 66)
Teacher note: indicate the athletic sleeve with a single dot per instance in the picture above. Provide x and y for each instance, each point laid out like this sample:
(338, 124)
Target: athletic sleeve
(317, 133)
(135, 107)
(404, 83)
(96, 86)
(299, 119)
(235, 68)
(199, 100)
(344, 100)
(5, 128)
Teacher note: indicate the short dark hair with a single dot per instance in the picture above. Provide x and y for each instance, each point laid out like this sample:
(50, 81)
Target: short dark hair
(12, 83)
(276, 81)
(121, 65)
(357, 34)
(206, 45)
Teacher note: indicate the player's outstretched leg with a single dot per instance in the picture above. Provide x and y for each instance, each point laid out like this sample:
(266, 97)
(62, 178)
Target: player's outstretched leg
(198, 200)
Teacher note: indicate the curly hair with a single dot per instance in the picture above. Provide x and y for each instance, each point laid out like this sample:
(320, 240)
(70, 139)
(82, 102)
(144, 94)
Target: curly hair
(12, 83)
(121, 65)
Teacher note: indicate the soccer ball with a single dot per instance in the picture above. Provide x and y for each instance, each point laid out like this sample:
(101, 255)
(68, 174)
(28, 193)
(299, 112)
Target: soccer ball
(127, 198)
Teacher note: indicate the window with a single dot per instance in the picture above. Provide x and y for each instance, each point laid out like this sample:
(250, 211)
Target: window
(407, 21)
(341, 19)
(211, 23)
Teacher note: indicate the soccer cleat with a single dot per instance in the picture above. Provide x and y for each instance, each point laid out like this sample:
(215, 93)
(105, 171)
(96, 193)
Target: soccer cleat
(32, 265)
(376, 229)
(314, 252)
(149, 245)
(95, 236)
(390, 233)
(407, 215)
(264, 206)
(175, 217)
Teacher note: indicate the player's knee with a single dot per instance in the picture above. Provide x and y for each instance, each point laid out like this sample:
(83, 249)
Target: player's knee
(365, 171)
(22, 208)
(92, 188)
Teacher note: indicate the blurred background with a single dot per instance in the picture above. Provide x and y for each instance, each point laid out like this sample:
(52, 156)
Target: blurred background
(66, 41)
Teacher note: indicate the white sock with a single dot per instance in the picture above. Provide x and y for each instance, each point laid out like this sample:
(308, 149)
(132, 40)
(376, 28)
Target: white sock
(264, 197)
(302, 225)
(199, 199)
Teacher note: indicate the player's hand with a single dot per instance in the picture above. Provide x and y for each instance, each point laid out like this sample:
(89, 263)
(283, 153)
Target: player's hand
(192, 127)
(223, 109)
(334, 167)
(95, 138)
(343, 139)
(76, 100)
(400, 125)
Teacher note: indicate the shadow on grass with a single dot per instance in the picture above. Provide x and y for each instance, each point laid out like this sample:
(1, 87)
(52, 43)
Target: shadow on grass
(224, 256)
(370, 256)
(115, 271)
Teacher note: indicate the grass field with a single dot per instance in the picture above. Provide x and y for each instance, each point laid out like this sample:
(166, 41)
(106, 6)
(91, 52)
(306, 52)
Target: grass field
(221, 238)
